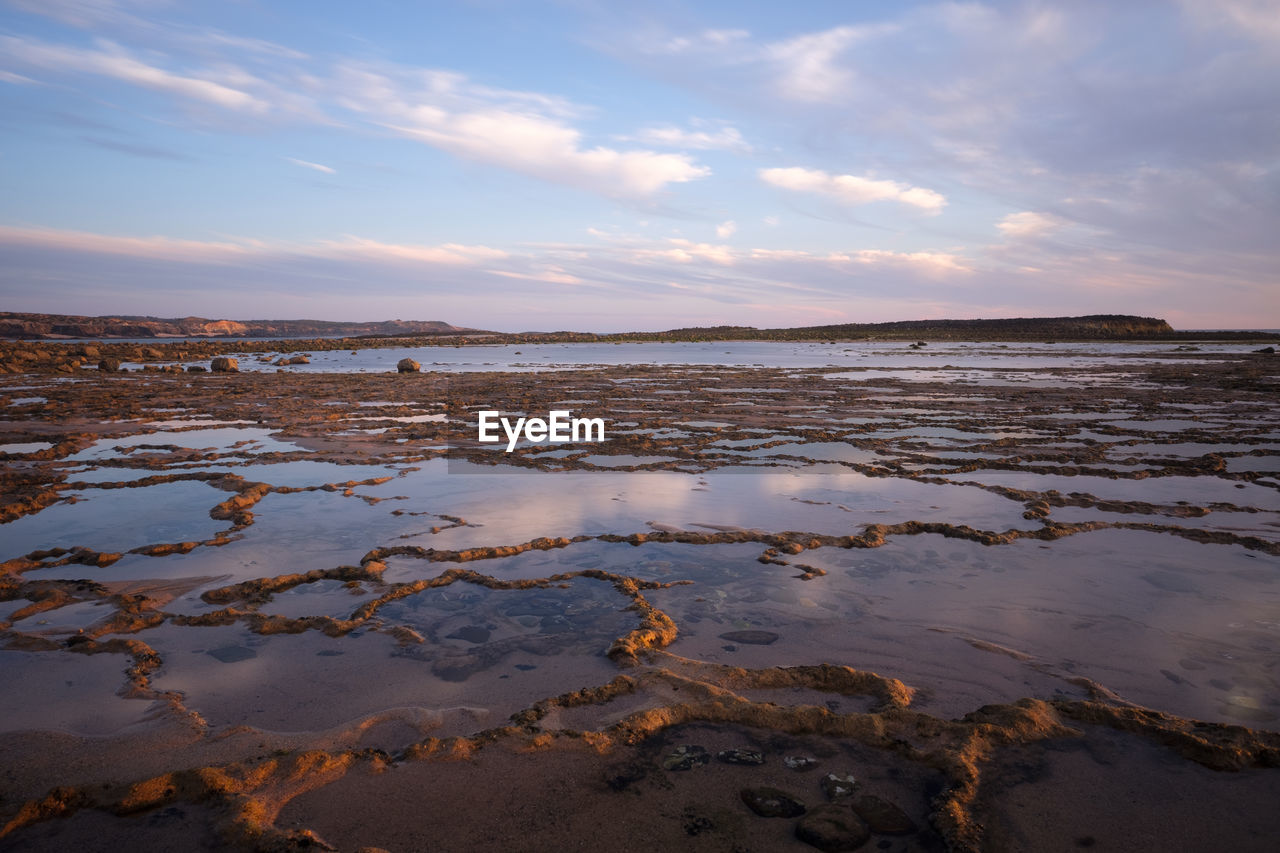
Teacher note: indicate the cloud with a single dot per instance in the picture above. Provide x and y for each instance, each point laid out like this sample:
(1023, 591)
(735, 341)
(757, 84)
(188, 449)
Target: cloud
(503, 128)
(548, 149)
(632, 285)
(725, 230)
(1028, 224)
(102, 15)
(228, 251)
(933, 263)
(525, 132)
(686, 252)
(851, 189)
(552, 275)
(150, 152)
(725, 138)
(700, 42)
(449, 254)
(807, 64)
(15, 79)
(111, 60)
(307, 164)
(1254, 19)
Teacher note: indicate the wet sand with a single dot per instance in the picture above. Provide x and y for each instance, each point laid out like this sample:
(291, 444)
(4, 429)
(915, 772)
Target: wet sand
(1025, 605)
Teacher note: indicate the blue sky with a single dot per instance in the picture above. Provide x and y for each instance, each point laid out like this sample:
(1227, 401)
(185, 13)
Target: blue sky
(606, 166)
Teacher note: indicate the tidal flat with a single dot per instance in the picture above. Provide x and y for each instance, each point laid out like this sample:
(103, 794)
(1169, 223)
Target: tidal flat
(956, 597)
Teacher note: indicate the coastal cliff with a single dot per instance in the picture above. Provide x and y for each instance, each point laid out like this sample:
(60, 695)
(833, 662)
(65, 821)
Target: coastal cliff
(62, 326)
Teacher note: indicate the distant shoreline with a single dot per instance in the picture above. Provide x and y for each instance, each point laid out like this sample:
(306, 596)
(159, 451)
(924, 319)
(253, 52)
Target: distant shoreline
(74, 329)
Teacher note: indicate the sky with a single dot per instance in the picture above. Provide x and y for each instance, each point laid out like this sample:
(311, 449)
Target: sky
(604, 166)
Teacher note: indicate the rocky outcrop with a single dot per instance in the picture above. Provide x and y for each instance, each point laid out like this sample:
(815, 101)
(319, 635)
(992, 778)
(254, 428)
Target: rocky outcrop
(223, 364)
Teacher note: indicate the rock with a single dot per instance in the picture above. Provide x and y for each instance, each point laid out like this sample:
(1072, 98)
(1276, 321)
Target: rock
(89, 352)
(883, 816)
(751, 638)
(770, 802)
(686, 758)
(109, 365)
(232, 654)
(1267, 350)
(408, 365)
(196, 368)
(151, 352)
(222, 364)
(470, 633)
(800, 763)
(832, 828)
(838, 787)
(296, 359)
(748, 757)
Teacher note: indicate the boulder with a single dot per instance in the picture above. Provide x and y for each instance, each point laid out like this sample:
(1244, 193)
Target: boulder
(408, 365)
(195, 368)
(770, 802)
(296, 359)
(686, 758)
(109, 365)
(223, 364)
(832, 828)
(747, 757)
(883, 816)
(837, 787)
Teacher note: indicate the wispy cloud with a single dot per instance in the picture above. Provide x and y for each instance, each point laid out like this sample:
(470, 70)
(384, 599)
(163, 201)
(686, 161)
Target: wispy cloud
(724, 138)
(853, 189)
(808, 68)
(150, 152)
(307, 164)
(112, 60)
(1028, 224)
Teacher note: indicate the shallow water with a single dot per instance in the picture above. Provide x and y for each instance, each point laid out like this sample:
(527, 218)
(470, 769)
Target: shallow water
(872, 355)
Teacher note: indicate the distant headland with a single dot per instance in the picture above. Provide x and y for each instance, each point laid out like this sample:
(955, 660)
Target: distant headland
(52, 327)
